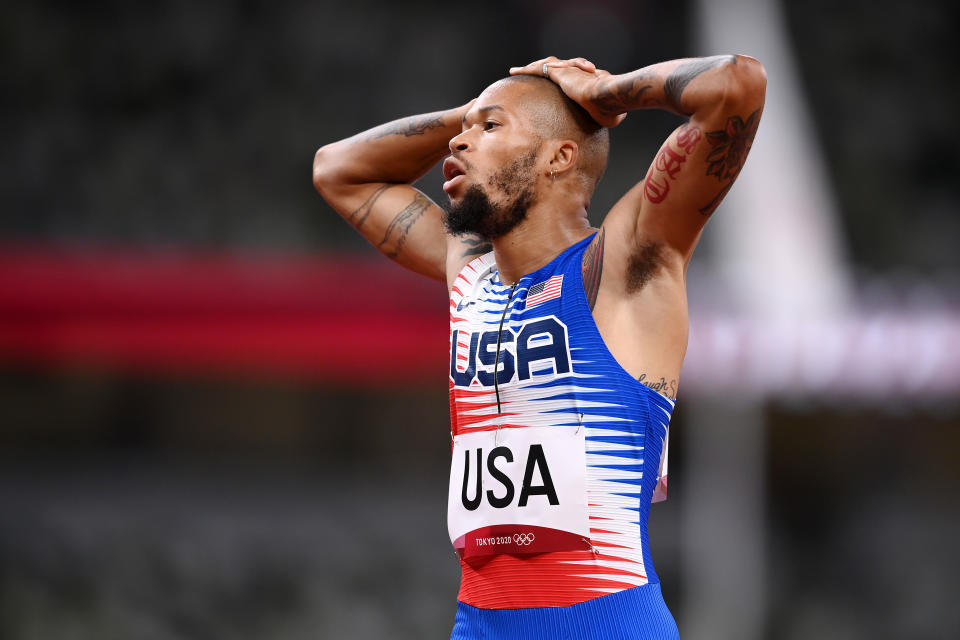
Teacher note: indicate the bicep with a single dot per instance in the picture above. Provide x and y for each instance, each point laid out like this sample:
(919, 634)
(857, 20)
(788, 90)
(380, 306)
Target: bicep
(690, 175)
(399, 220)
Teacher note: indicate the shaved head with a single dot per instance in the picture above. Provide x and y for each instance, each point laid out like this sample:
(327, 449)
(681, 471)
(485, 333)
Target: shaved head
(554, 116)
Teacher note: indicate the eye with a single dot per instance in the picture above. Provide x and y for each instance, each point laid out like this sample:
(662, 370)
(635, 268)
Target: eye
(490, 124)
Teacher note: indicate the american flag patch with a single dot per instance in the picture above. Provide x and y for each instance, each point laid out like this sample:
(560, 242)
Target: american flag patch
(543, 291)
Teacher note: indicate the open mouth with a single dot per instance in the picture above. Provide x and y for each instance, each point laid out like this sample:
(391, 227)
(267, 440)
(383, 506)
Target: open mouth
(453, 173)
(452, 169)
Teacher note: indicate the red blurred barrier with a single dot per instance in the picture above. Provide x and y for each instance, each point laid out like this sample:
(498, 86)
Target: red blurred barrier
(357, 320)
(338, 318)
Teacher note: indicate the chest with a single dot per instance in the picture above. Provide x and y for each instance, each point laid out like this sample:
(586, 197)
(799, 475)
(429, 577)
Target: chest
(509, 335)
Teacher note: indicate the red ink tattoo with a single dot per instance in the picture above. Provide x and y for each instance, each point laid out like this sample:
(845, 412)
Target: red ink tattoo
(687, 138)
(669, 161)
(655, 191)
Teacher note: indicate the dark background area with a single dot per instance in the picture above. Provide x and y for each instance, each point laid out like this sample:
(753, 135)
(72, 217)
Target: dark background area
(141, 504)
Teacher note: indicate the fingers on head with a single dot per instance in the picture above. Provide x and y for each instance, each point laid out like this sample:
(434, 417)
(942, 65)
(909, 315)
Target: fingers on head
(580, 63)
(555, 63)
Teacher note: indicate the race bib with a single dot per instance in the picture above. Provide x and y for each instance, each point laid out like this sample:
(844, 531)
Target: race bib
(518, 490)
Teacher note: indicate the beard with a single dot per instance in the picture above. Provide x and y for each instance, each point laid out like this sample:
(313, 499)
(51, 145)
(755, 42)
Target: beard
(476, 213)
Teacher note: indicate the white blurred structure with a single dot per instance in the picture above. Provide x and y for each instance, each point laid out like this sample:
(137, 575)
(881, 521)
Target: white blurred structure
(777, 255)
(778, 247)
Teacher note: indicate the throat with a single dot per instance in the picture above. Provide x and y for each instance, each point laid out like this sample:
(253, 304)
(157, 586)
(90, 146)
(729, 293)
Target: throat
(530, 248)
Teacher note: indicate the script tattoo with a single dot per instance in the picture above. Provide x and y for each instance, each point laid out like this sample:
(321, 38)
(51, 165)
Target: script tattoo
(661, 386)
(680, 77)
(359, 216)
(475, 246)
(403, 221)
(592, 268)
(415, 126)
(623, 95)
(730, 148)
(656, 186)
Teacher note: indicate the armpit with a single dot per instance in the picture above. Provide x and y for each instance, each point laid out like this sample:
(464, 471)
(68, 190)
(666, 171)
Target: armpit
(645, 262)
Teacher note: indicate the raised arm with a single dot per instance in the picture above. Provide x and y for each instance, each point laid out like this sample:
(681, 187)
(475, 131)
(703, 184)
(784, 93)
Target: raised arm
(634, 273)
(367, 179)
(698, 163)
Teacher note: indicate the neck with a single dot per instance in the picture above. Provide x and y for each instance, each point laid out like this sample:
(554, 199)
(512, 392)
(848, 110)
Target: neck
(545, 233)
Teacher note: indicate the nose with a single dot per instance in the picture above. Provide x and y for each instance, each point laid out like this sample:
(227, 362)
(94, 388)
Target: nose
(459, 142)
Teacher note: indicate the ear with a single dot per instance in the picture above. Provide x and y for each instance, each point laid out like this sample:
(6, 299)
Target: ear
(564, 157)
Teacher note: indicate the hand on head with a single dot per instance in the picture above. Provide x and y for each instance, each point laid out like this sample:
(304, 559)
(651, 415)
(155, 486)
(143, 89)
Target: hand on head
(542, 67)
(580, 80)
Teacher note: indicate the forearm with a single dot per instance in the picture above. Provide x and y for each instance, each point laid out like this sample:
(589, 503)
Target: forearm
(397, 152)
(686, 86)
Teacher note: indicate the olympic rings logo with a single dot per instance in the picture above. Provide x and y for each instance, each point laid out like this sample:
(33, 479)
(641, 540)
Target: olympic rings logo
(523, 539)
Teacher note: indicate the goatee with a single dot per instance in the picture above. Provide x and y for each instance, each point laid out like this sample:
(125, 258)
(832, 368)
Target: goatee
(475, 213)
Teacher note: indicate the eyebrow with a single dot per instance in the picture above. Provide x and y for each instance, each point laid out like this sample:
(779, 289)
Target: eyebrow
(483, 110)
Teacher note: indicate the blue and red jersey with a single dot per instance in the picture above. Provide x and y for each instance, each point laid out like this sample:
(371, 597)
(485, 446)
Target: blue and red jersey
(557, 449)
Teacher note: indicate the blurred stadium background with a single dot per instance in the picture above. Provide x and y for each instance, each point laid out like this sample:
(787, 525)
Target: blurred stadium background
(204, 432)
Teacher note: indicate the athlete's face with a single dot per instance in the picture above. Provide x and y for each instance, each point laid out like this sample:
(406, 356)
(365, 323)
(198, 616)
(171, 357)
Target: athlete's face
(492, 173)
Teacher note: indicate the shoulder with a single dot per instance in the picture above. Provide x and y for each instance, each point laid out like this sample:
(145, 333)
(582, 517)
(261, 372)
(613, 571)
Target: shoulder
(465, 253)
(472, 274)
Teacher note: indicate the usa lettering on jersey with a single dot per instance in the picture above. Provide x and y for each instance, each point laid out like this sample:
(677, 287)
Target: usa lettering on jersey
(539, 347)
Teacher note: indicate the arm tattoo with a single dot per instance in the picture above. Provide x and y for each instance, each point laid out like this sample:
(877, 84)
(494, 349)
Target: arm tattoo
(680, 77)
(475, 246)
(403, 221)
(592, 268)
(415, 126)
(730, 148)
(731, 145)
(359, 216)
(668, 162)
(661, 386)
(625, 94)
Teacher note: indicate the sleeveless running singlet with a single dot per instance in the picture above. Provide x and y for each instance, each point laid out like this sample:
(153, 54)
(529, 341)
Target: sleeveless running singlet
(557, 453)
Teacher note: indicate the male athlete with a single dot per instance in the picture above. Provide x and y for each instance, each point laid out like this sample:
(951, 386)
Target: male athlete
(566, 341)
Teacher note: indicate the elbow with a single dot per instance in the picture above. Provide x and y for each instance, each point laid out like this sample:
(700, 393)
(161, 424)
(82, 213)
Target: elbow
(750, 80)
(332, 168)
(323, 168)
